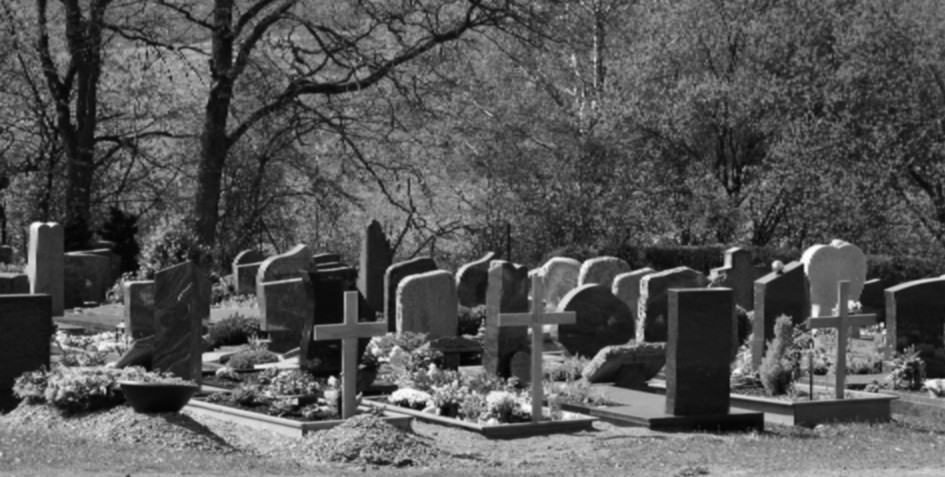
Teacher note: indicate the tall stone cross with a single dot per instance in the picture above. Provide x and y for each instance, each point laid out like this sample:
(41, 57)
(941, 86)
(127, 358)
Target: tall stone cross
(535, 318)
(842, 322)
(349, 332)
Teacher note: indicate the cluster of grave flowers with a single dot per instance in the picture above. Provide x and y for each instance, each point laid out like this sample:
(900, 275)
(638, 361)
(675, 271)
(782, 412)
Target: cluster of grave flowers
(89, 350)
(278, 391)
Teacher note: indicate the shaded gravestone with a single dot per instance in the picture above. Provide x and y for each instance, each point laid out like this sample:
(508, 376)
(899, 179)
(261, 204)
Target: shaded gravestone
(653, 307)
(139, 308)
(14, 284)
(376, 256)
(471, 281)
(427, 303)
(392, 277)
(842, 322)
(114, 263)
(698, 349)
(86, 278)
(178, 345)
(349, 333)
(245, 268)
(26, 327)
(738, 274)
(292, 264)
(507, 292)
(826, 266)
(873, 298)
(287, 307)
(326, 288)
(915, 314)
(602, 320)
(782, 292)
(561, 276)
(6, 254)
(601, 270)
(45, 263)
(627, 289)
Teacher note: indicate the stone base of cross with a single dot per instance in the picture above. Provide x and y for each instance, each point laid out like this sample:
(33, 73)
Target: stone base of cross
(349, 332)
(535, 319)
(842, 322)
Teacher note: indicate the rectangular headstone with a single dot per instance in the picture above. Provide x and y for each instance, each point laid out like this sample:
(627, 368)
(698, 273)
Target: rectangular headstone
(506, 292)
(6, 254)
(737, 274)
(376, 256)
(288, 305)
(26, 327)
(245, 267)
(46, 264)
(87, 278)
(327, 288)
(178, 346)
(698, 351)
(652, 305)
(139, 308)
(14, 284)
(915, 314)
(427, 303)
(778, 293)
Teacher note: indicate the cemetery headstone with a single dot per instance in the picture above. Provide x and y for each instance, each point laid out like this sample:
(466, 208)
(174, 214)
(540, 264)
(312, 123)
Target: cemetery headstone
(653, 308)
(245, 268)
(507, 292)
(471, 281)
(826, 266)
(14, 284)
(737, 274)
(6, 254)
(873, 297)
(325, 260)
(349, 332)
(376, 256)
(782, 292)
(392, 277)
(114, 263)
(139, 308)
(327, 288)
(86, 278)
(288, 306)
(535, 319)
(698, 348)
(561, 276)
(427, 303)
(915, 314)
(46, 263)
(602, 320)
(627, 289)
(26, 326)
(601, 270)
(292, 264)
(178, 345)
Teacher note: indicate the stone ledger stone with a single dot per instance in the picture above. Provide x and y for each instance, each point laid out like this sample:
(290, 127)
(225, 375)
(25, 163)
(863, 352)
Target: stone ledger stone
(14, 284)
(139, 308)
(26, 326)
(292, 264)
(288, 307)
(776, 294)
(427, 303)
(737, 274)
(653, 306)
(561, 276)
(507, 292)
(327, 288)
(602, 320)
(245, 268)
(392, 277)
(698, 350)
(627, 289)
(471, 281)
(826, 266)
(376, 255)
(602, 270)
(87, 278)
(178, 345)
(46, 263)
(915, 313)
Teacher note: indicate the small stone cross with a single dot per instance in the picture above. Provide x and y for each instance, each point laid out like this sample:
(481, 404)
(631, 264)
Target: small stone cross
(535, 318)
(842, 323)
(348, 333)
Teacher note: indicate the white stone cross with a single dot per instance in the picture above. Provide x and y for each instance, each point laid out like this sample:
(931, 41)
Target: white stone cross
(348, 333)
(535, 318)
(842, 322)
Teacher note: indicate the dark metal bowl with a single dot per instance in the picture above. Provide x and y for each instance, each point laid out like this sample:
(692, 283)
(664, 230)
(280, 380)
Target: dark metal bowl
(157, 397)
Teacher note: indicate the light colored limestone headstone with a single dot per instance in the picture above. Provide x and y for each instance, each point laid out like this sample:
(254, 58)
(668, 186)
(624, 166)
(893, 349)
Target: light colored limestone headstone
(46, 262)
(627, 289)
(291, 264)
(826, 266)
(471, 280)
(602, 270)
(561, 276)
(653, 306)
(427, 303)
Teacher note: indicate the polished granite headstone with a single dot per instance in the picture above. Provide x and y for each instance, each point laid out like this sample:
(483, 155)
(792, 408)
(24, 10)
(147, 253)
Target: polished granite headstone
(471, 281)
(326, 288)
(915, 313)
(782, 292)
(245, 267)
(392, 277)
(14, 283)
(26, 327)
(376, 255)
(602, 320)
(288, 306)
(738, 274)
(46, 264)
(87, 278)
(292, 264)
(139, 308)
(178, 345)
(507, 292)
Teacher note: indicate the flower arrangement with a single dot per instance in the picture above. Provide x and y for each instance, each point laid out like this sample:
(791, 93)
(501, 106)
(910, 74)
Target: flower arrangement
(288, 382)
(278, 392)
(412, 398)
(908, 371)
(406, 351)
(935, 387)
(93, 350)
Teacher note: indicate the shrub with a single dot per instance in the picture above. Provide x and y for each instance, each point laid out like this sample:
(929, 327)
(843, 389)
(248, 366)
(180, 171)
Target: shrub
(779, 366)
(249, 358)
(172, 243)
(235, 329)
(121, 228)
(470, 319)
(276, 382)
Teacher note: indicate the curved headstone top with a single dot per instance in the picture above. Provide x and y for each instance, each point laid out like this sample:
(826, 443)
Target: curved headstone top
(471, 280)
(291, 264)
(602, 270)
(392, 277)
(249, 256)
(825, 266)
(602, 320)
(427, 303)
(561, 276)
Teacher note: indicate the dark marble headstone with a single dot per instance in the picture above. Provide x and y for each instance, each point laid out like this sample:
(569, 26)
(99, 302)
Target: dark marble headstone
(507, 292)
(14, 284)
(873, 298)
(471, 281)
(737, 274)
(139, 308)
(376, 256)
(178, 345)
(915, 313)
(602, 320)
(653, 305)
(698, 350)
(288, 306)
(245, 267)
(392, 277)
(87, 278)
(327, 288)
(777, 293)
(26, 327)
(6, 254)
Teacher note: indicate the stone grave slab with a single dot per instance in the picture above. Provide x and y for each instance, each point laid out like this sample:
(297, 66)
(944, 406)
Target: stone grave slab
(392, 277)
(738, 274)
(471, 281)
(602, 320)
(376, 255)
(507, 292)
(782, 292)
(427, 303)
(46, 264)
(826, 266)
(601, 270)
(139, 308)
(653, 307)
(178, 344)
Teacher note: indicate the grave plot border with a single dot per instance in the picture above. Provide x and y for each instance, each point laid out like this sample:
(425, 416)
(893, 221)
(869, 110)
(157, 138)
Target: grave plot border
(916, 403)
(288, 427)
(572, 422)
